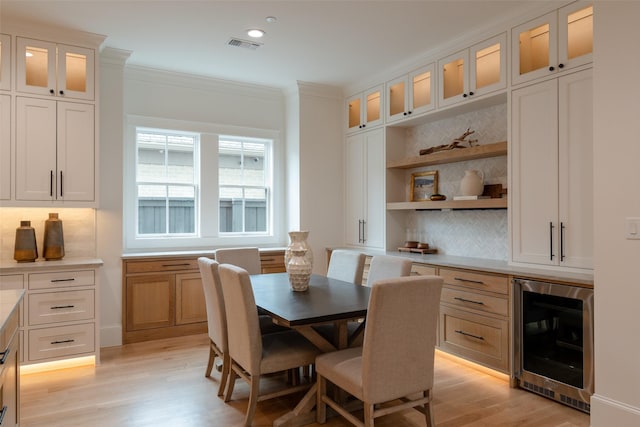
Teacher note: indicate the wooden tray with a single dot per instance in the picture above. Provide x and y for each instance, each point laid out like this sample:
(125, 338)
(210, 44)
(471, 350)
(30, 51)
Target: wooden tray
(419, 251)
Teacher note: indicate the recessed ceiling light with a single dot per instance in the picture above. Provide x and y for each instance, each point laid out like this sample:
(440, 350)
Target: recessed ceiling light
(255, 33)
(271, 19)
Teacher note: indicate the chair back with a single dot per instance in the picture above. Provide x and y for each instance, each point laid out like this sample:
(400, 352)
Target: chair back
(346, 265)
(216, 316)
(244, 337)
(400, 337)
(388, 267)
(246, 258)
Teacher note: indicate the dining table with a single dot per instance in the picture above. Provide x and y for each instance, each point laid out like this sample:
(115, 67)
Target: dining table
(326, 301)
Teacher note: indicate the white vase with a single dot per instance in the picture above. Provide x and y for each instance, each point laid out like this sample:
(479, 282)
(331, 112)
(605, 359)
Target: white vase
(298, 242)
(472, 183)
(299, 270)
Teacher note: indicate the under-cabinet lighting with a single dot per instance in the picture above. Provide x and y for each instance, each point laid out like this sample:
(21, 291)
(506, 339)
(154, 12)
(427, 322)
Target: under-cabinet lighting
(57, 364)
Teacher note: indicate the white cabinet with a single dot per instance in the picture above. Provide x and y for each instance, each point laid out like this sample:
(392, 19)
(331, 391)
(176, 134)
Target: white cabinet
(5, 147)
(473, 72)
(45, 68)
(552, 172)
(364, 109)
(365, 196)
(55, 157)
(5, 62)
(411, 94)
(557, 41)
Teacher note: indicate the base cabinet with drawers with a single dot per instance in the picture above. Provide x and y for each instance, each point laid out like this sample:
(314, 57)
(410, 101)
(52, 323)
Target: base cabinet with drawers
(9, 357)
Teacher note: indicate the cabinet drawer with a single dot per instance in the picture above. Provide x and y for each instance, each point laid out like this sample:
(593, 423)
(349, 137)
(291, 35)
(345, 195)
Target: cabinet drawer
(62, 341)
(61, 279)
(422, 270)
(161, 265)
(53, 307)
(272, 263)
(473, 280)
(475, 301)
(477, 338)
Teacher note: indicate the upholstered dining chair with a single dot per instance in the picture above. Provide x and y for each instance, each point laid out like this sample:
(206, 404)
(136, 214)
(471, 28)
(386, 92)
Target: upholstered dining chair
(387, 267)
(346, 265)
(216, 319)
(396, 360)
(246, 258)
(254, 354)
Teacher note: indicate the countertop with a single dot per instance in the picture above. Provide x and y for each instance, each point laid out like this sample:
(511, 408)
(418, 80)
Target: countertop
(9, 300)
(177, 254)
(20, 267)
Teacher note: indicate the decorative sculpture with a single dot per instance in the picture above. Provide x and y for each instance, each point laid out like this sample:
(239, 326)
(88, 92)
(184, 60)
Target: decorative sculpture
(454, 144)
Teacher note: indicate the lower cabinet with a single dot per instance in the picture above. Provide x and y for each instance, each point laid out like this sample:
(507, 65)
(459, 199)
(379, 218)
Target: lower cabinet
(9, 371)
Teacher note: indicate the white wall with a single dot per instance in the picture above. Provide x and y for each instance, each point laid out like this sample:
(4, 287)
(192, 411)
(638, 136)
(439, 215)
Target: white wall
(617, 172)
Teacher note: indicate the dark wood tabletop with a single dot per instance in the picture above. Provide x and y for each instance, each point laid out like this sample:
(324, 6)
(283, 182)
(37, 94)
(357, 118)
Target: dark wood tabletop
(326, 300)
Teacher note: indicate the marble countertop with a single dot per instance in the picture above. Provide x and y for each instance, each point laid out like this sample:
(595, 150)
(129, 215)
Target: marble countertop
(211, 252)
(9, 300)
(19, 267)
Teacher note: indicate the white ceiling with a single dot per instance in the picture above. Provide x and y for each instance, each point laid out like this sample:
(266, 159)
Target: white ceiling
(328, 42)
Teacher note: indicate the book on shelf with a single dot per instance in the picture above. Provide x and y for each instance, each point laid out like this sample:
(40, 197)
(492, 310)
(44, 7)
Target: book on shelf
(470, 197)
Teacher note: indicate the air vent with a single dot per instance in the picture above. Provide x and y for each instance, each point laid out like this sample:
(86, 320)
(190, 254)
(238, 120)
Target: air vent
(243, 43)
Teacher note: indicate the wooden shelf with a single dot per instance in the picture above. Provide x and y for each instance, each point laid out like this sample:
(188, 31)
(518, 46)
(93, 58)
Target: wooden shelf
(451, 156)
(449, 204)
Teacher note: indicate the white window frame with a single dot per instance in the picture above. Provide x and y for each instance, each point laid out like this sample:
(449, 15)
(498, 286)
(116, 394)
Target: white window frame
(207, 215)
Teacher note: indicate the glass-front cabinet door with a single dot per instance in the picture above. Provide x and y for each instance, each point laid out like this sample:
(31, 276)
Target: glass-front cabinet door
(453, 77)
(5, 62)
(365, 109)
(487, 66)
(411, 94)
(45, 68)
(553, 42)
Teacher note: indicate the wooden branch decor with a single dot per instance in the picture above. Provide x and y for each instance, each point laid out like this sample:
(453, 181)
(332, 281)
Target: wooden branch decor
(454, 144)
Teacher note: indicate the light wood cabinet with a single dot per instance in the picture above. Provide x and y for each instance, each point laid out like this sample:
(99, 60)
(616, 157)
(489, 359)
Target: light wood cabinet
(552, 207)
(364, 109)
(55, 151)
(9, 371)
(552, 43)
(411, 95)
(45, 68)
(5, 62)
(5, 147)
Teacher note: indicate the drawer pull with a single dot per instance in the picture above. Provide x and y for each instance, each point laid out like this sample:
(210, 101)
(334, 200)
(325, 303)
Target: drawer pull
(468, 300)
(4, 354)
(5, 408)
(479, 282)
(58, 307)
(184, 264)
(268, 260)
(466, 334)
(62, 341)
(62, 280)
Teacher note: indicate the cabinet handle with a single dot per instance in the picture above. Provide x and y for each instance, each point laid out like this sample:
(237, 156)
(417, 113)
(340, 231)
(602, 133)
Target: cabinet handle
(468, 300)
(52, 92)
(268, 259)
(58, 307)
(5, 408)
(363, 126)
(62, 280)
(61, 92)
(405, 113)
(4, 354)
(560, 65)
(479, 282)
(364, 239)
(562, 227)
(50, 183)
(61, 186)
(410, 112)
(464, 95)
(466, 334)
(62, 341)
(176, 265)
(551, 68)
(551, 241)
(470, 93)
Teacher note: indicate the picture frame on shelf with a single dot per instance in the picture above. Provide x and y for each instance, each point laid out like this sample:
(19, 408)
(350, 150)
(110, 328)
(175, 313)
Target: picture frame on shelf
(423, 185)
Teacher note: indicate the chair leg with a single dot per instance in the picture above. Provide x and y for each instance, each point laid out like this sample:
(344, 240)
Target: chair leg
(368, 414)
(232, 383)
(321, 407)
(212, 358)
(253, 400)
(226, 373)
(428, 412)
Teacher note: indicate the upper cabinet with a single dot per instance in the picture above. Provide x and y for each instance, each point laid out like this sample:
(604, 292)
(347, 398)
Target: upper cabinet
(365, 109)
(5, 62)
(5, 147)
(411, 94)
(557, 41)
(473, 72)
(45, 68)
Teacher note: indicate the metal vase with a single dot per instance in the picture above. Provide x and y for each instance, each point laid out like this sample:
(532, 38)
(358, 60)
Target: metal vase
(25, 249)
(53, 247)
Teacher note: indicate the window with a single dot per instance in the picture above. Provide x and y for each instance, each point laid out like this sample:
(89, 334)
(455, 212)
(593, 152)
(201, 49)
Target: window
(166, 182)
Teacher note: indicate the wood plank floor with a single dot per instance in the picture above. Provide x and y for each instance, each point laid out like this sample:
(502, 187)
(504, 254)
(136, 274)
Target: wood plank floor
(162, 383)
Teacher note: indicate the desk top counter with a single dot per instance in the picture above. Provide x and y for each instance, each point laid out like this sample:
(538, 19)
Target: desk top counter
(9, 300)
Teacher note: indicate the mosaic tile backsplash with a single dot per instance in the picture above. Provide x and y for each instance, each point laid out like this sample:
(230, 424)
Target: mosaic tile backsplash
(472, 233)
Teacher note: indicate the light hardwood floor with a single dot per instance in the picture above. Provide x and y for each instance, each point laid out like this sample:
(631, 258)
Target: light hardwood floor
(162, 383)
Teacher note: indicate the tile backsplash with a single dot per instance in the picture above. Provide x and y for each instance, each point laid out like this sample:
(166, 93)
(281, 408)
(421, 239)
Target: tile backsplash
(472, 233)
(78, 225)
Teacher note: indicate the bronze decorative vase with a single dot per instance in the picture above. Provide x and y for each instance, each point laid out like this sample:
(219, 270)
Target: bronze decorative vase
(53, 247)
(25, 249)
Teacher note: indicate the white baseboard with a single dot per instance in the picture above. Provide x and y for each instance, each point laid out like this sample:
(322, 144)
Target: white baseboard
(111, 336)
(606, 412)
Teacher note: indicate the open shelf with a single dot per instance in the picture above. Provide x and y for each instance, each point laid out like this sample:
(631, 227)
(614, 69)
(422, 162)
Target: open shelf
(451, 156)
(449, 204)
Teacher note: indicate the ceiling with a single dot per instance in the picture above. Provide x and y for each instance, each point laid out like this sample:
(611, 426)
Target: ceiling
(336, 43)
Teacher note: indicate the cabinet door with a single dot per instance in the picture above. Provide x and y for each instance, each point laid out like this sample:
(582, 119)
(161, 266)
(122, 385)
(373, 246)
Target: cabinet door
(5, 147)
(150, 301)
(35, 169)
(9, 388)
(354, 112)
(453, 78)
(397, 98)
(354, 200)
(75, 152)
(36, 66)
(373, 105)
(374, 184)
(534, 48)
(534, 166)
(422, 90)
(76, 72)
(576, 169)
(5, 62)
(575, 35)
(190, 304)
(487, 66)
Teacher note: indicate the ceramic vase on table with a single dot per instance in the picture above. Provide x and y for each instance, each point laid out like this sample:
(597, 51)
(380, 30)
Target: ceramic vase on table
(53, 246)
(299, 270)
(298, 242)
(25, 249)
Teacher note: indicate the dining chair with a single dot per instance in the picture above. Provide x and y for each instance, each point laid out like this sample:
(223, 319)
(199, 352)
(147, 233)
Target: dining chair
(346, 265)
(246, 258)
(254, 354)
(395, 362)
(216, 319)
(387, 267)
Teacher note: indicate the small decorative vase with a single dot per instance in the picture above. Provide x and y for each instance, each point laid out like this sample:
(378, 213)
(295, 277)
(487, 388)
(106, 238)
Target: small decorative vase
(298, 242)
(53, 246)
(472, 183)
(25, 249)
(299, 270)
